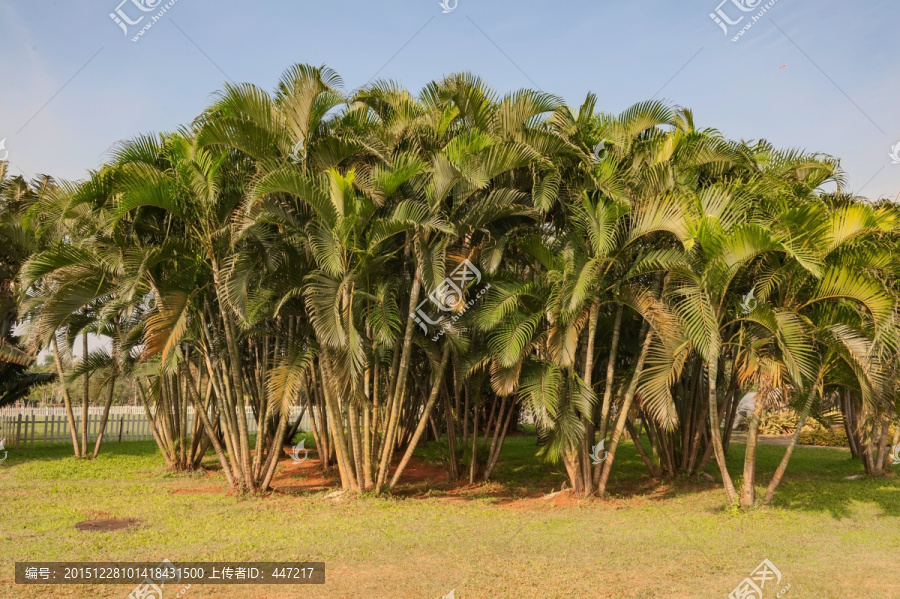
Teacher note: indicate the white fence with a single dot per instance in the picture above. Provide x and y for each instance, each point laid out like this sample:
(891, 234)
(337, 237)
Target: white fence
(22, 427)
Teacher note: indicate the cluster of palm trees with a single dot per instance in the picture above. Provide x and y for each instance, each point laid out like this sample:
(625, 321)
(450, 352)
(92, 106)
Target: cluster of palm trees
(299, 248)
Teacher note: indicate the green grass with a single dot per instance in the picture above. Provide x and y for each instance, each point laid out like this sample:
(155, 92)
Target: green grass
(831, 538)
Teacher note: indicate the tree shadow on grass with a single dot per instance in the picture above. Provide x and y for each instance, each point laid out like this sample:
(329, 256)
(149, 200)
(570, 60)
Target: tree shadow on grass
(63, 451)
(816, 481)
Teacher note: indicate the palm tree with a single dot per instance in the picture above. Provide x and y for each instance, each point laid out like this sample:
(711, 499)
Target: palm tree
(293, 248)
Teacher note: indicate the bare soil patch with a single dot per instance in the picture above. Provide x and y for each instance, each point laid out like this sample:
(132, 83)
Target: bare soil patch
(308, 476)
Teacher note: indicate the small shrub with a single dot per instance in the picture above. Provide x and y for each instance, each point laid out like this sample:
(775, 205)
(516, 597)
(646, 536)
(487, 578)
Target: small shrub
(821, 436)
(781, 422)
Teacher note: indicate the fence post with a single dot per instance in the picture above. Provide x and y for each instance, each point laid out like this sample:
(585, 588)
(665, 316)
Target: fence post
(18, 429)
(121, 422)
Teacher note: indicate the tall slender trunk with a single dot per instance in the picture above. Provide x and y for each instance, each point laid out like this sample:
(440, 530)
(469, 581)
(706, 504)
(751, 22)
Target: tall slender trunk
(495, 454)
(336, 427)
(109, 399)
(167, 455)
(276, 451)
(403, 369)
(748, 493)
(610, 372)
(105, 417)
(473, 463)
(200, 412)
(636, 438)
(466, 415)
(353, 421)
(607, 464)
(451, 438)
(86, 401)
(235, 370)
(607, 391)
(423, 421)
(587, 420)
(67, 400)
(715, 432)
(368, 483)
(779, 472)
(847, 413)
(882, 445)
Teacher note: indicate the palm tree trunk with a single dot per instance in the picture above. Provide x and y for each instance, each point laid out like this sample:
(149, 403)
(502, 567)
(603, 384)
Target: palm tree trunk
(105, 417)
(882, 446)
(847, 417)
(170, 464)
(353, 418)
(85, 404)
(336, 427)
(587, 420)
(607, 391)
(368, 483)
(495, 454)
(276, 451)
(67, 400)
(473, 463)
(498, 423)
(779, 472)
(623, 413)
(636, 437)
(715, 432)
(451, 438)
(610, 372)
(235, 369)
(748, 493)
(109, 399)
(423, 420)
(403, 369)
(200, 412)
(465, 437)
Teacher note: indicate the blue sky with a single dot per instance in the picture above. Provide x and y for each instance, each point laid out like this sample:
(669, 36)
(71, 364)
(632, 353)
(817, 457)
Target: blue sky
(816, 74)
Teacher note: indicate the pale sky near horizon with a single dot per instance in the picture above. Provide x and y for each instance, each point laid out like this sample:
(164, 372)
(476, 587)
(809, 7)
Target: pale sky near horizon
(821, 75)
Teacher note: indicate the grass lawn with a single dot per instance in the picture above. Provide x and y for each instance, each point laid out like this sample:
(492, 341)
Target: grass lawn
(830, 537)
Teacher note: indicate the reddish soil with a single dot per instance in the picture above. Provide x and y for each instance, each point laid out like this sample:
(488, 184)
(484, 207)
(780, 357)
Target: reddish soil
(417, 471)
(308, 476)
(564, 499)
